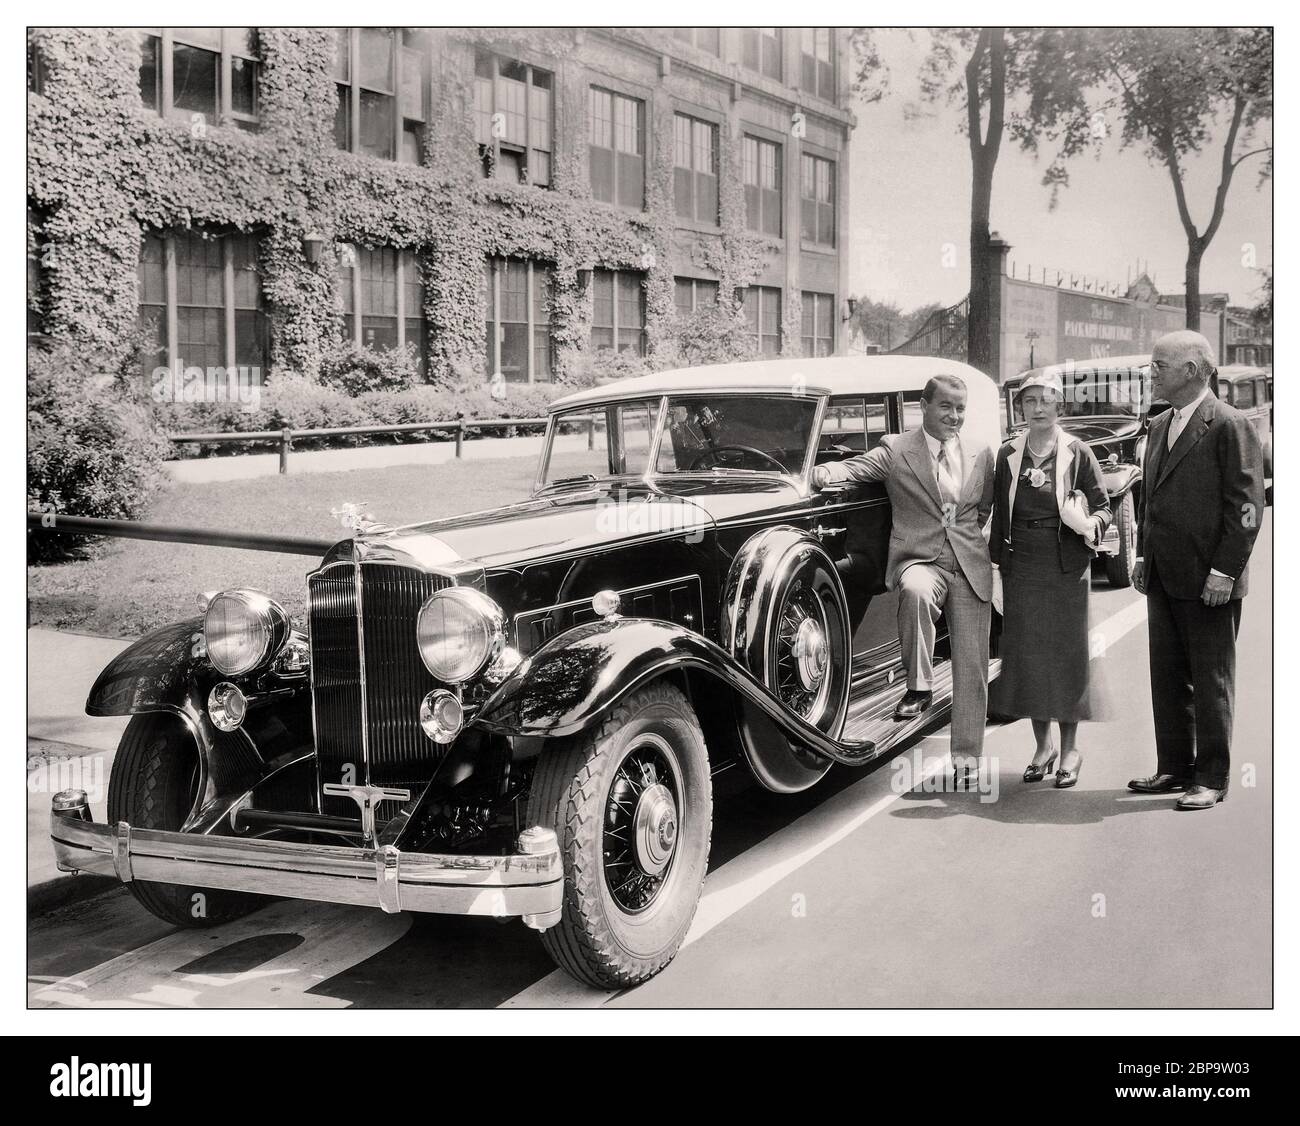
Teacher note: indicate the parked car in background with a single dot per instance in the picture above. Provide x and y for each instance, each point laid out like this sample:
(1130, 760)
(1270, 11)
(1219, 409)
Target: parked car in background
(521, 712)
(1109, 406)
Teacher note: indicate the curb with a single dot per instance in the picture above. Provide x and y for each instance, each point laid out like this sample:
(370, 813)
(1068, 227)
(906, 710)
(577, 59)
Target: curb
(50, 895)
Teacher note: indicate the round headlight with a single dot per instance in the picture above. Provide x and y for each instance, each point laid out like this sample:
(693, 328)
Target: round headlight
(459, 631)
(242, 629)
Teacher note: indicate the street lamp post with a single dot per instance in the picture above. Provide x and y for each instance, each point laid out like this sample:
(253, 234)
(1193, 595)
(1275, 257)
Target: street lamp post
(1031, 336)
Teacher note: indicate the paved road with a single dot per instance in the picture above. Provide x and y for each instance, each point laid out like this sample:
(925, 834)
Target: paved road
(873, 890)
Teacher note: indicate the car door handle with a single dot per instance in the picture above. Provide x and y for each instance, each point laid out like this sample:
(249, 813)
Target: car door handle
(821, 531)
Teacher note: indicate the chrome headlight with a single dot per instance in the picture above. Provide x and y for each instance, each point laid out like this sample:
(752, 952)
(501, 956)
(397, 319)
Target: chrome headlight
(459, 631)
(243, 629)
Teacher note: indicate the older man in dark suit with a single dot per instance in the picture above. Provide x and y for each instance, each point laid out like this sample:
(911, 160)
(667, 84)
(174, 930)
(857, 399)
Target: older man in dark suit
(1202, 501)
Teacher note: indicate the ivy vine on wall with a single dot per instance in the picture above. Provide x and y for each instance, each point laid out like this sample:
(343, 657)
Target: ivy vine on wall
(103, 168)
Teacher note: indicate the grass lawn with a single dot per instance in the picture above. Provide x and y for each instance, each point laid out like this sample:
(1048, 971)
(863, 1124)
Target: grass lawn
(132, 586)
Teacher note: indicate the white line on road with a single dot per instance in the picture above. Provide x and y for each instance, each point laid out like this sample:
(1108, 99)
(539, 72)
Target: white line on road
(742, 880)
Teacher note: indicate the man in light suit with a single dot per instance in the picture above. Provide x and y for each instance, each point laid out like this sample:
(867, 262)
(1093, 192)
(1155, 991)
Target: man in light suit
(1202, 501)
(941, 490)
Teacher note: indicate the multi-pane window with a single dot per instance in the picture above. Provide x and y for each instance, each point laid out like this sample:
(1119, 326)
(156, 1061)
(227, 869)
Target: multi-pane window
(201, 301)
(518, 300)
(201, 70)
(694, 295)
(763, 179)
(383, 300)
(35, 67)
(763, 314)
(695, 169)
(705, 38)
(817, 200)
(512, 110)
(760, 50)
(619, 311)
(817, 62)
(616, 148)
(818, 328)
(381, 83)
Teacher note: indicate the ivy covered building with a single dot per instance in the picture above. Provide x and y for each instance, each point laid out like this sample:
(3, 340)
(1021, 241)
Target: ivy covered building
(507, 201)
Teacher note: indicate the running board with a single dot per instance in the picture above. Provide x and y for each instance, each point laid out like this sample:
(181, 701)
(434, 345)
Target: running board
(871, 717)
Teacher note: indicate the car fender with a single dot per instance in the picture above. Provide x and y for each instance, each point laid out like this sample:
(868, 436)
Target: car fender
(1120, 479)
(574, 679)
(167, 670)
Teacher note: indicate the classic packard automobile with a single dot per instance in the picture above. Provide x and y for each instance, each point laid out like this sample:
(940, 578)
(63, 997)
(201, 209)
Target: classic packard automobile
(521, 712)
(1109, 406)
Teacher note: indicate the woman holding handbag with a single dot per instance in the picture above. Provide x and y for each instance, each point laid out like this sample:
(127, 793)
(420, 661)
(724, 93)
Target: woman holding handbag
(1050, 510)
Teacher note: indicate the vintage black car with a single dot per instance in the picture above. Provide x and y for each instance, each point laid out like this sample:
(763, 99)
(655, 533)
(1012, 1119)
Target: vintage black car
(521, 712)
(1108, 405)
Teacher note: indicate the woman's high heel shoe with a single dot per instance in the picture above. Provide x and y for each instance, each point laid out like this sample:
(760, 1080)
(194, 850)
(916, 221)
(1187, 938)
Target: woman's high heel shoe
(1067, 778)
(1038, 773)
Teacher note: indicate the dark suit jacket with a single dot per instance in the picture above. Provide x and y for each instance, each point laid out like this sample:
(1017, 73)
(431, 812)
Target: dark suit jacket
(1077, 468)
(1202, 501)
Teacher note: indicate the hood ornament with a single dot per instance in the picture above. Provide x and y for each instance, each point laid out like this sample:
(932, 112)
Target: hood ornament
(355, 519)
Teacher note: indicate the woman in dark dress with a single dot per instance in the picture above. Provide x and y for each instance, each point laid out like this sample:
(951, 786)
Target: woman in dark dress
(1044, 566)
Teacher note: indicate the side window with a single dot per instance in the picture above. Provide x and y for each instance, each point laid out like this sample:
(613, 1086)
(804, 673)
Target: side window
(636, 427)
(852, 426)
(1243, 393)
(911, 410)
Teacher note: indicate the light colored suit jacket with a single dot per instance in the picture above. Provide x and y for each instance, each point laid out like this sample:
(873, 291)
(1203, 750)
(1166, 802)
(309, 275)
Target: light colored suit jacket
(903, 463)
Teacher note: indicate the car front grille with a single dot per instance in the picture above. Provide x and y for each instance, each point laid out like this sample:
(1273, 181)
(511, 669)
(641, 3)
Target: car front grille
(394, 751)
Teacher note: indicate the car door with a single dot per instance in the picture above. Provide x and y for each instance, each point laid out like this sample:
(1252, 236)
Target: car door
(861, 515)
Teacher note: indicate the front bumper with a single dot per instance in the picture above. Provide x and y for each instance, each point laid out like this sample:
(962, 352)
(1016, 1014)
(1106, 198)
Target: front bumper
(528, 883)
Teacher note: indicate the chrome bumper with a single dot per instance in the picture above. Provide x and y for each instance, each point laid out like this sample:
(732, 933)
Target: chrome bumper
(1109, 541)
(529, 883)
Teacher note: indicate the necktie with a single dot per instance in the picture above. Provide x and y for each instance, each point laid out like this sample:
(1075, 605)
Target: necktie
(948, 487)
(1175, 428)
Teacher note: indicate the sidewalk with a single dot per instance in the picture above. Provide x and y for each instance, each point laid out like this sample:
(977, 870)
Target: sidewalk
(243, 466)
(65, 749)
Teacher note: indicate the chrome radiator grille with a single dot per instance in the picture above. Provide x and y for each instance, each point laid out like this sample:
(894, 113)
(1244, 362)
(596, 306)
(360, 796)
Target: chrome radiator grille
(375, 691)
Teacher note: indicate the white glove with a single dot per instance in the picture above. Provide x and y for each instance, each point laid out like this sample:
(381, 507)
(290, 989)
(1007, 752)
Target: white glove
(1076, 515)
(997, 590)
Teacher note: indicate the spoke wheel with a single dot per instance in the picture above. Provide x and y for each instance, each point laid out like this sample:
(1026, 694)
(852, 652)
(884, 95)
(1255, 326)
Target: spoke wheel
(631, 802)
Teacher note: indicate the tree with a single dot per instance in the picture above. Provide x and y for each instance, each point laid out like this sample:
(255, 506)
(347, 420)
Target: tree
(877, 322)
(1262, 314)
(1177, 86)
(1177, 90)
(1000, 76)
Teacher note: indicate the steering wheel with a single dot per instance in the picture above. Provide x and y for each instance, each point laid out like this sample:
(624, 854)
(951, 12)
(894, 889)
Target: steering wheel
(712, 455)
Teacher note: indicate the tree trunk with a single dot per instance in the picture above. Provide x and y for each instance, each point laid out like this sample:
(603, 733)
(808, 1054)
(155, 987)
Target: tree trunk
(979, 344)
(1192, 281)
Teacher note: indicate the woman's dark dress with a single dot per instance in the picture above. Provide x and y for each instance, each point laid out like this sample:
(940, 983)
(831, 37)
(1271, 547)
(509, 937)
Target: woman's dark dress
(1046, 673)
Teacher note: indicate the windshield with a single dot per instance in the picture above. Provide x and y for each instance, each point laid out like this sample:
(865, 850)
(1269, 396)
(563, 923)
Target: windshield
(1091, 393)
(701, 434)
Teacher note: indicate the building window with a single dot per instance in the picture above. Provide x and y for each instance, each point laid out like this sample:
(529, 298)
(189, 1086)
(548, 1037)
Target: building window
(212, 71)
(382, 88)
(616, 147)
(817, 201)
(619, 306)
(763, 180)
(201, 301)
(763, 314)
(385, 287)
(705, 38)
(694, 295)
(695, 169)
(512, 103)
(817, 69)
(35, 67)
(760, 50)
(818, 330)
(517, 295)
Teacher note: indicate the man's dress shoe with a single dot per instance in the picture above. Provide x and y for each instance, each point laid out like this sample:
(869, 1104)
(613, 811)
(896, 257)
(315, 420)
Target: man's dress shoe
(1159, 784)
(1201, 797)
(912, 704)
